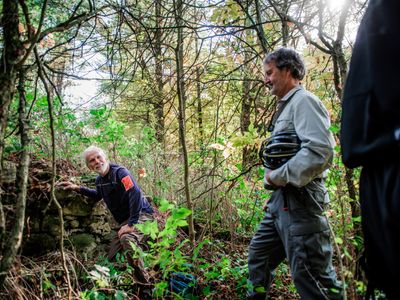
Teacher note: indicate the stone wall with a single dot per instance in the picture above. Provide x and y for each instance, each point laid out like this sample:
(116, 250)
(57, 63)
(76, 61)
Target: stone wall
(88, 225)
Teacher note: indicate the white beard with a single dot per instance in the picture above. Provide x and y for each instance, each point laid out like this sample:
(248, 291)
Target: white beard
(103, 168)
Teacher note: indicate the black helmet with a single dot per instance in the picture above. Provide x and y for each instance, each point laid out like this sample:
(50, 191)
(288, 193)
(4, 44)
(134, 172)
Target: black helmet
(278, 149)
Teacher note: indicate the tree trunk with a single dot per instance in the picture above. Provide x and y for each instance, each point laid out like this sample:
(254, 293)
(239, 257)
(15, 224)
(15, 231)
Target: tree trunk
(339, 75)
(15, 237)
(260, 29)
(178, 10)
(11, 53)
(159, 102)
(245, 116)
(285, 26)
(245, 113)
(199, 110)
(10, 56)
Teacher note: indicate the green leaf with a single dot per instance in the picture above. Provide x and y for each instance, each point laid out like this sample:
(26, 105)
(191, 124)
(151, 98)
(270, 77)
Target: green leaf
(181, 213)
(334, 128)
(181, 223)
(149, 228)
(120, 295)
(338, 240)
(47, 285)
(98, 112)
(259, 289)
(165, 205)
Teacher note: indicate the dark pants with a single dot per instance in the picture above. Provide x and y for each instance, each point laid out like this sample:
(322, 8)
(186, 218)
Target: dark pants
(294, 227)
(123, 245)
(380, 208)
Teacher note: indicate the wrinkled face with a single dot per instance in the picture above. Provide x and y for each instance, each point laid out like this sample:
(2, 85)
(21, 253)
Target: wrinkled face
(277, 80)
(97, 162)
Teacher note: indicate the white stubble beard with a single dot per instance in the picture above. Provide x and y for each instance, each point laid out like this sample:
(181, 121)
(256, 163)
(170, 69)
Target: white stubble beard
(103, 168)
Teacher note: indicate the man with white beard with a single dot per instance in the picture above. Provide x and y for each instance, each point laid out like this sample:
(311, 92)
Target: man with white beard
(123, 198)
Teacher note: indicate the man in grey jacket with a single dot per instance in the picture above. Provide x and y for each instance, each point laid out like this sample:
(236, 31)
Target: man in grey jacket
(294, 226)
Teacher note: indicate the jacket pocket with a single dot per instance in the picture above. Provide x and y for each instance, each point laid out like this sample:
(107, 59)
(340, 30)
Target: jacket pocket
(283, 125)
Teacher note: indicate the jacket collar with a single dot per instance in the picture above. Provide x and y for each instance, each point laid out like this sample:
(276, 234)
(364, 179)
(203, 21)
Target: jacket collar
(291, 92)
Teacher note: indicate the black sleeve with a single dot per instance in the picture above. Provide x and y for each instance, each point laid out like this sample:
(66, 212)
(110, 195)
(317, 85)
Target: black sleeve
(371, 104)
(91, 193)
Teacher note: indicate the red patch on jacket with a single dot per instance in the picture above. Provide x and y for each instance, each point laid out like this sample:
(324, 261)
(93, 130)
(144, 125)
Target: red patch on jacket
(128, 183)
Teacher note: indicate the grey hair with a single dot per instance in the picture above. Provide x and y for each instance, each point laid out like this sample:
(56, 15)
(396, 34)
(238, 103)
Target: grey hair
(287, 58)
(90, 149)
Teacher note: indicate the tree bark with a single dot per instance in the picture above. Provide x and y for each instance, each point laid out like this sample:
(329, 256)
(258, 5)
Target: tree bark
(178, 10)
(199, 109)
(11, 54)
(245, 113)
(285, 26)
(260, 29)
(15, 238)
(159, 103)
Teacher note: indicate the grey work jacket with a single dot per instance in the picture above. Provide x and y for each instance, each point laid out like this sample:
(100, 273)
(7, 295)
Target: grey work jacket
(308, 117)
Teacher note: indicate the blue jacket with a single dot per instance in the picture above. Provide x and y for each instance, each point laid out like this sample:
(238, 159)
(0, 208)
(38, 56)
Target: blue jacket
(121, 193)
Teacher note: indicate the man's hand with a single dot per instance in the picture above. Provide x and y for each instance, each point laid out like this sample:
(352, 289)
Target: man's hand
(67, 185)
(265, 206)
(125, 229)
(268, 184)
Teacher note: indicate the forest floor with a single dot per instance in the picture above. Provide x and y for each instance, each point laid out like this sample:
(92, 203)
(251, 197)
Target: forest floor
(44, 278)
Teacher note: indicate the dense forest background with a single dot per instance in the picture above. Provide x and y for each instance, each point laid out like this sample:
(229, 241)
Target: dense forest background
(173, 90)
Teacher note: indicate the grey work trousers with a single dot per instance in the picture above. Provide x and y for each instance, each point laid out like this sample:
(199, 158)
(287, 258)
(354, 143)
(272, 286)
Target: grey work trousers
(294, 227)
(123, 244)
